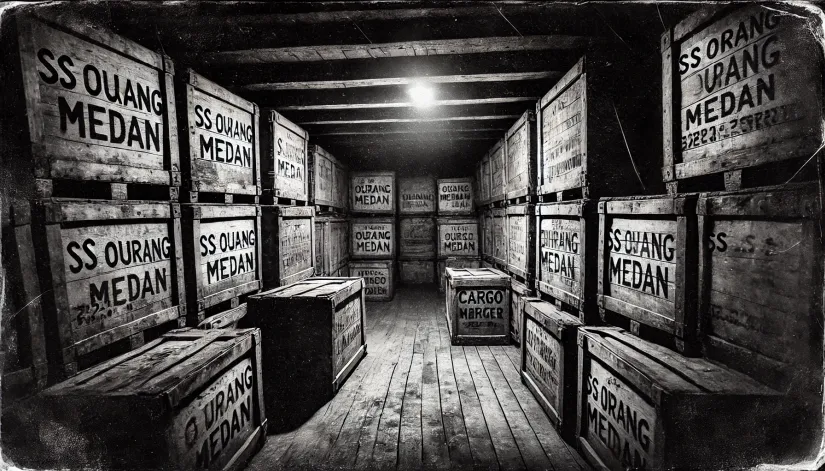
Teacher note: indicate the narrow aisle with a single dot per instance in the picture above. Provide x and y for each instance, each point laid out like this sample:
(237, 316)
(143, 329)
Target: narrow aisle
(417, 402)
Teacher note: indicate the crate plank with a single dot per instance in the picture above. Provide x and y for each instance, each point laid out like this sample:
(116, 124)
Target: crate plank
(518, 293)
(521, 254)
(500, 238)
(417, 238)
(521, 145)
(496, 173)
(454, 262)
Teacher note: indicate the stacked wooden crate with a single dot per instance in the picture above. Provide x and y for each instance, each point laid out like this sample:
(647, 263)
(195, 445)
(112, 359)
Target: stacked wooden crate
(329, 190)
(459, 244)
(417, 198)
(373, 232)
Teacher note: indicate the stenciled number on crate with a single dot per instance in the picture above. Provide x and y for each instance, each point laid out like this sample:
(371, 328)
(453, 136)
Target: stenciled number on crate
(562, 148)
(517, 241)
(346, 333)
(459, 239)
(482, 311)
(376, 280)
(115, 269)
(216, 423)
(295, 240)
(644, 260)
(373, 239)
(224, 133)
(738, 78)
(618, 420)
(541, 360)
(93, 96)
(227, 250)
(560, 262)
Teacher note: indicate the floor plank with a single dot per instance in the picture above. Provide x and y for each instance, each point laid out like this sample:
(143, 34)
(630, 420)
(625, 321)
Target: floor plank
(435, 454)
(481, 444)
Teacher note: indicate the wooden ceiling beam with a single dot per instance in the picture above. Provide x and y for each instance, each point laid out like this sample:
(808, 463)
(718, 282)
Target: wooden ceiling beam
(408, 131)
(408, 112)
(431, 119)
(407, 104)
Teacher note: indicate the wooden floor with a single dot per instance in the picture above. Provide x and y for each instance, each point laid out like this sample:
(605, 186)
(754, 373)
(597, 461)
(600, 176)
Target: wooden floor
(417, 402)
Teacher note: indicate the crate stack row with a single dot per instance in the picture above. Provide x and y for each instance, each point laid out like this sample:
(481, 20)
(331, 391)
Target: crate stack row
(458, 234)
(678, 299)
(417, 207)
(373, 232)
(329, 192)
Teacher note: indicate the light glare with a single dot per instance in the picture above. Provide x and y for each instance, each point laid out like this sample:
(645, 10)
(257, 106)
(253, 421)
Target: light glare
(422, 95)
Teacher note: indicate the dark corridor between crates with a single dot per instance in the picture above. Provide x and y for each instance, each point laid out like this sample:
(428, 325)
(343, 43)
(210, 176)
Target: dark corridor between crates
(408, 234)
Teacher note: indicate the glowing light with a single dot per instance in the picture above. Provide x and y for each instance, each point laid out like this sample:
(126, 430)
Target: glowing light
(422, 95)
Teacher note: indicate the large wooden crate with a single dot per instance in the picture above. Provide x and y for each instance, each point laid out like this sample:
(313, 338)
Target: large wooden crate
(498, 172)
(221, 151)
(288, 244)
(416, 196)
(484, 183)
(478, 306)
(733, 103)
(455, 197)
(417, 238)
(378, 276)
(521, 252)
(500, 242)
(416, 272)
(566, 270)
(191, 399)
(458, 237)
(322, 253)
(338, 244)
(481, 197)
(372, 238)
(760, 272)
(518, 293)
(372, 193)
(72, 131)
(454, 262)
(285, 164)
(340, 183)
(327, 180)
(521, 157)
(108, 272)
(313, 337)
(222, 255)
(549, 361)
(643, 406)
(648, 263)
(593, 131)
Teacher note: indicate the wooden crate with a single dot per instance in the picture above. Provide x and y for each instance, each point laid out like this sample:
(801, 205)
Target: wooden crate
(521, 158)
(338, 243)
(313, 337)
(518, 293)
(500, 240)
(223, 255)
(549, 361)
(521, 253)
(454, 262)
(221, 154)
(372, 193)
(63, 138)
(458, 237)
(96, 301)
(340, 184)
(486, 223)
(481, 197)
(191, 399)
(498, 172)
(372, 238)
(288, 244)
(379, 278)
(455, 197)
(416, 272)
(226, 319)
(417, 238)
(285, 164)
(760, 285)
(593, 131)
(478, 306)
(676, 412)
(326, 178)
(566, 238)
(656, 238)
(771, 82)
(322, 252)
(485, 181)
(416, 196)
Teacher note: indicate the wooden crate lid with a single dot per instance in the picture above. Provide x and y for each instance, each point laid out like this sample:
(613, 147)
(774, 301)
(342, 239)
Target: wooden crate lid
(549, 316)
(334, 288)
(793, 201)
(487, 276)
(684, 204)
(657, 370)
(520, 287)
(166, 371)
(388, 264)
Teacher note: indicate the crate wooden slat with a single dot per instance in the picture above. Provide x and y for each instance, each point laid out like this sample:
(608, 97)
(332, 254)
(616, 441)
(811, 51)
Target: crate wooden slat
(326, 176)
(340, 183)
(285, 163)
(372, 238)
(677, 411)
(338, 243)
(497, 173)
(379, 278)
(458, 237)
(486, 228)
(549, 361)
(454, 262)
(225, 319)
(521, 253)
(566, 238)
(372, 193)
(416, 196)
(221, 151)
(455, 197)
(288, 244)
(582, 149)
(417, 238)
(223, 254)
(521, 148)
(760, 272)
(322, 253)
(313, 337)
(518, 293)
(730, 108)
(481, 196)
(190, 399)
(648, 263)
(94, 293)
(478, 306)
(500, 238)
(416, 272)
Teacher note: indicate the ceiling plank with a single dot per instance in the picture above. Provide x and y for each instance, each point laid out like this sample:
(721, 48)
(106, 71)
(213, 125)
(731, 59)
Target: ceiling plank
(411, 120)
(406, 131)
(396, 49)
(396, 81)
(411, 112)
(407, 104)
